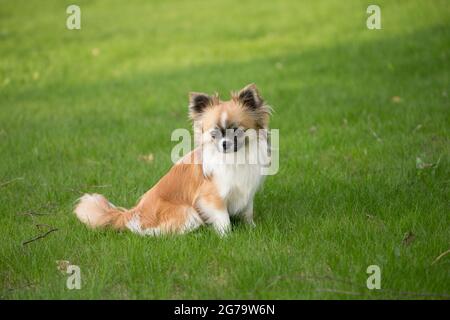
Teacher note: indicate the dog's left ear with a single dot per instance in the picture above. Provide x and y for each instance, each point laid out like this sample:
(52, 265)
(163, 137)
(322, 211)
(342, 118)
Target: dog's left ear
(249, 97)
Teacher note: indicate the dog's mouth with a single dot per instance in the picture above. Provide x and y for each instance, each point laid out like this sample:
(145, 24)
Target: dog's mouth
(231, 150)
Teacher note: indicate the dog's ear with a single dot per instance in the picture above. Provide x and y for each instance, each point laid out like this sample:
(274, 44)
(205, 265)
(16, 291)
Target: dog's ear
(198, 102)
(249, 97)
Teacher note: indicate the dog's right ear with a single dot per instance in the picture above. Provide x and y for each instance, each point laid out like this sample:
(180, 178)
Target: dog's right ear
(198, 102)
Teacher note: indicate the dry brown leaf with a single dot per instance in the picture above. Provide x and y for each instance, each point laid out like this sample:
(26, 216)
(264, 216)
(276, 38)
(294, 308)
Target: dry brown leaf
(396, 99)
(62, 265)
(95, 52)
(408, 238)
(313, 130)
(147, 157)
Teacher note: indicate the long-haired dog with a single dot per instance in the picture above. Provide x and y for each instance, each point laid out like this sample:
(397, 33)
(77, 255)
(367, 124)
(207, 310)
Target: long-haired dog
(213, 182)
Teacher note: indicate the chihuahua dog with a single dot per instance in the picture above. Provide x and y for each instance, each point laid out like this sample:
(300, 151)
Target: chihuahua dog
(208, 185)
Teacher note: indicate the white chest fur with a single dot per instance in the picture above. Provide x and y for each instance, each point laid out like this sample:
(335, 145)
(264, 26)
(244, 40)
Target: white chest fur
(237, 182)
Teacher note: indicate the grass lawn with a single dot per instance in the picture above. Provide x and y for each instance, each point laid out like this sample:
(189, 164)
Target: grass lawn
(364, 124)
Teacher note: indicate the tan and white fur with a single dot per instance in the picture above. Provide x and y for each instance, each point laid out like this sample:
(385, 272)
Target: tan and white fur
(203, 187)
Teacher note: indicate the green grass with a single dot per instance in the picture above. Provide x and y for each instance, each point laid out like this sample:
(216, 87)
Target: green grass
(348, 188)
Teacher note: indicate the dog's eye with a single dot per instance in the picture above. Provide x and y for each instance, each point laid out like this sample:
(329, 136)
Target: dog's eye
(215, 134)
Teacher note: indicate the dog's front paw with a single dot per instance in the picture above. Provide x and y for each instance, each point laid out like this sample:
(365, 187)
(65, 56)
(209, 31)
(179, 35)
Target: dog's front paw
(222, 230)
(222, 227)
(249, 221)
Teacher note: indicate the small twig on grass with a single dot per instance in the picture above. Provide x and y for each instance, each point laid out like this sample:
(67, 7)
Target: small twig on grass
(33, 213)
(43, 225)
(41, 236)
(10, 181)
(441, 256)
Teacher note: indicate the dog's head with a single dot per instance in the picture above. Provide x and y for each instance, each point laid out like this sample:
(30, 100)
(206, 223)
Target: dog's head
(224, 123)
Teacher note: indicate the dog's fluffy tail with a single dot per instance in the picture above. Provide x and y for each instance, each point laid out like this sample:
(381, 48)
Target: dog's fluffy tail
(95, 211)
